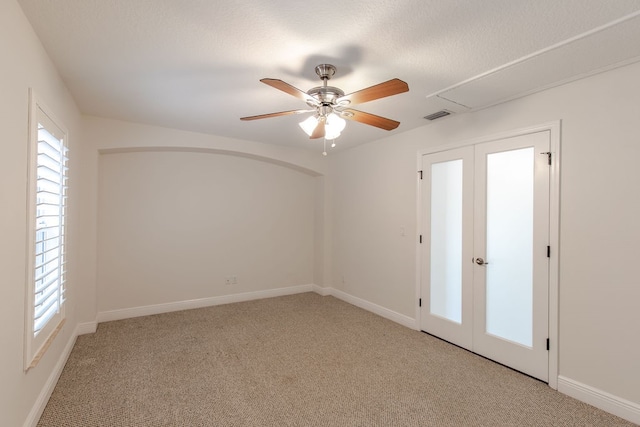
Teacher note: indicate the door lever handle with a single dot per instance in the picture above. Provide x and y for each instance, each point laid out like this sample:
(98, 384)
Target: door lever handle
(480, 261)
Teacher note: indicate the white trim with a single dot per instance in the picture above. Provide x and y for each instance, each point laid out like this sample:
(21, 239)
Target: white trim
(542, 52)
(126, 313)
(550, 126)
(35, 346)
(86, 328)
(418, 244)
(43, 398)
(554, 128)
(554, 258)
(321, 291)
(374, 308)
(585, 393)
(207, 150)
(600, 399)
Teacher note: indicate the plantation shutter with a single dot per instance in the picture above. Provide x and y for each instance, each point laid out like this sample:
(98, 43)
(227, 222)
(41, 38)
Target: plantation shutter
(51, 195)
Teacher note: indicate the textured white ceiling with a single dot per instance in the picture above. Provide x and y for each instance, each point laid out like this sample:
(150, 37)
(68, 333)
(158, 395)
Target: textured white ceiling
(196, 64)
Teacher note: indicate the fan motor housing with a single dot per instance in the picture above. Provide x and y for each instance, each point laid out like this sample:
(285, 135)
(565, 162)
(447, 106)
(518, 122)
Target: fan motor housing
(326, 95)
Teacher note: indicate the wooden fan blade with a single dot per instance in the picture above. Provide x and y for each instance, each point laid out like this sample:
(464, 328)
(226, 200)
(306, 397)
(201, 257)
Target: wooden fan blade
(281, 113)
(319, 131)
(291, 90)
(370, 119)
(382, 90)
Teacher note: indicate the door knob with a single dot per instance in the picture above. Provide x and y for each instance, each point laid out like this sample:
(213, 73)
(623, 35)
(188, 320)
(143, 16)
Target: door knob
(480, 261)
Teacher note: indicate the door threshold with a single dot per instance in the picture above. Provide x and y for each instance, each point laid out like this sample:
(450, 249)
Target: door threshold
(484, 357)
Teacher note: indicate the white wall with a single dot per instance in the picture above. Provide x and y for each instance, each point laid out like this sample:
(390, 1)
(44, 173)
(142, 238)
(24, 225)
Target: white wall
(375, 195)
(107, 135)
(227, 208)
(26, 65)
(173, 224)
(361, 204)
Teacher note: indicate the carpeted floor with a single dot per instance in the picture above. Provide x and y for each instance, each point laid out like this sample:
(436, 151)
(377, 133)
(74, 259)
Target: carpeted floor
(301, 360)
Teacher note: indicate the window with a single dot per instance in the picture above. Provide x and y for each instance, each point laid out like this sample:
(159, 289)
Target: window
(46, 246)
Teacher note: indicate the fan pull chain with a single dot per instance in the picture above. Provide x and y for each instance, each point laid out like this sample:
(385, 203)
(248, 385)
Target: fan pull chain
(324, 141)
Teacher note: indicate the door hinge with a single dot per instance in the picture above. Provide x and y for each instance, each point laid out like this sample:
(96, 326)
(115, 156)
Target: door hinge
(548, 153)
(547, 344)
(548, 251)
(420, 172)
(421, 238)
(419, 302)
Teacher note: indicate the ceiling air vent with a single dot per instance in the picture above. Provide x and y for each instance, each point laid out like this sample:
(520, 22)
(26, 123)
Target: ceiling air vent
(441, 113)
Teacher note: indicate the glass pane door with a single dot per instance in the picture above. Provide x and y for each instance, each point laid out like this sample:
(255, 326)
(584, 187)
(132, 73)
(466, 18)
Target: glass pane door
(447, 215)
(509, 279)
(446, 240)
(484, 281)
(511, 268)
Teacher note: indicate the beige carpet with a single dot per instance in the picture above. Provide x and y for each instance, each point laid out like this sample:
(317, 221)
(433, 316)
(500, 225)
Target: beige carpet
(301, 360)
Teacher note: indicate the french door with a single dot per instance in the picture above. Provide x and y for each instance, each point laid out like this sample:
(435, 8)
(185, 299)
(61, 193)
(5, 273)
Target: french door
(485, 266)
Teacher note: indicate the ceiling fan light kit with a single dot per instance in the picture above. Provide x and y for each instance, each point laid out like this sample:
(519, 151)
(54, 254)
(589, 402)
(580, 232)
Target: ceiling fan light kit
(334, 125)
(330, 105)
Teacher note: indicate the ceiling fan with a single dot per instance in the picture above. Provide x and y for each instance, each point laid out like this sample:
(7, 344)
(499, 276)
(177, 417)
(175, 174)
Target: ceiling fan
(331, 105)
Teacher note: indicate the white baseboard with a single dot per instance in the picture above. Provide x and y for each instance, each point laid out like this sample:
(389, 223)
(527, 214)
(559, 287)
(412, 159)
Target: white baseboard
(41, 402)
(127, 313)
(407, 321)
(628, 410)
(86, 328)
(615, 405)
(585, 393)
(321, 291)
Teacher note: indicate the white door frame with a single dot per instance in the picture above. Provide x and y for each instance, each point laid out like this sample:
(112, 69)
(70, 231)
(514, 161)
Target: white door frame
(554, 227)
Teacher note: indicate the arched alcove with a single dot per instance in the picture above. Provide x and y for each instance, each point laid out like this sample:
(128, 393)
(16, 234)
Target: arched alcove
(177, 224)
